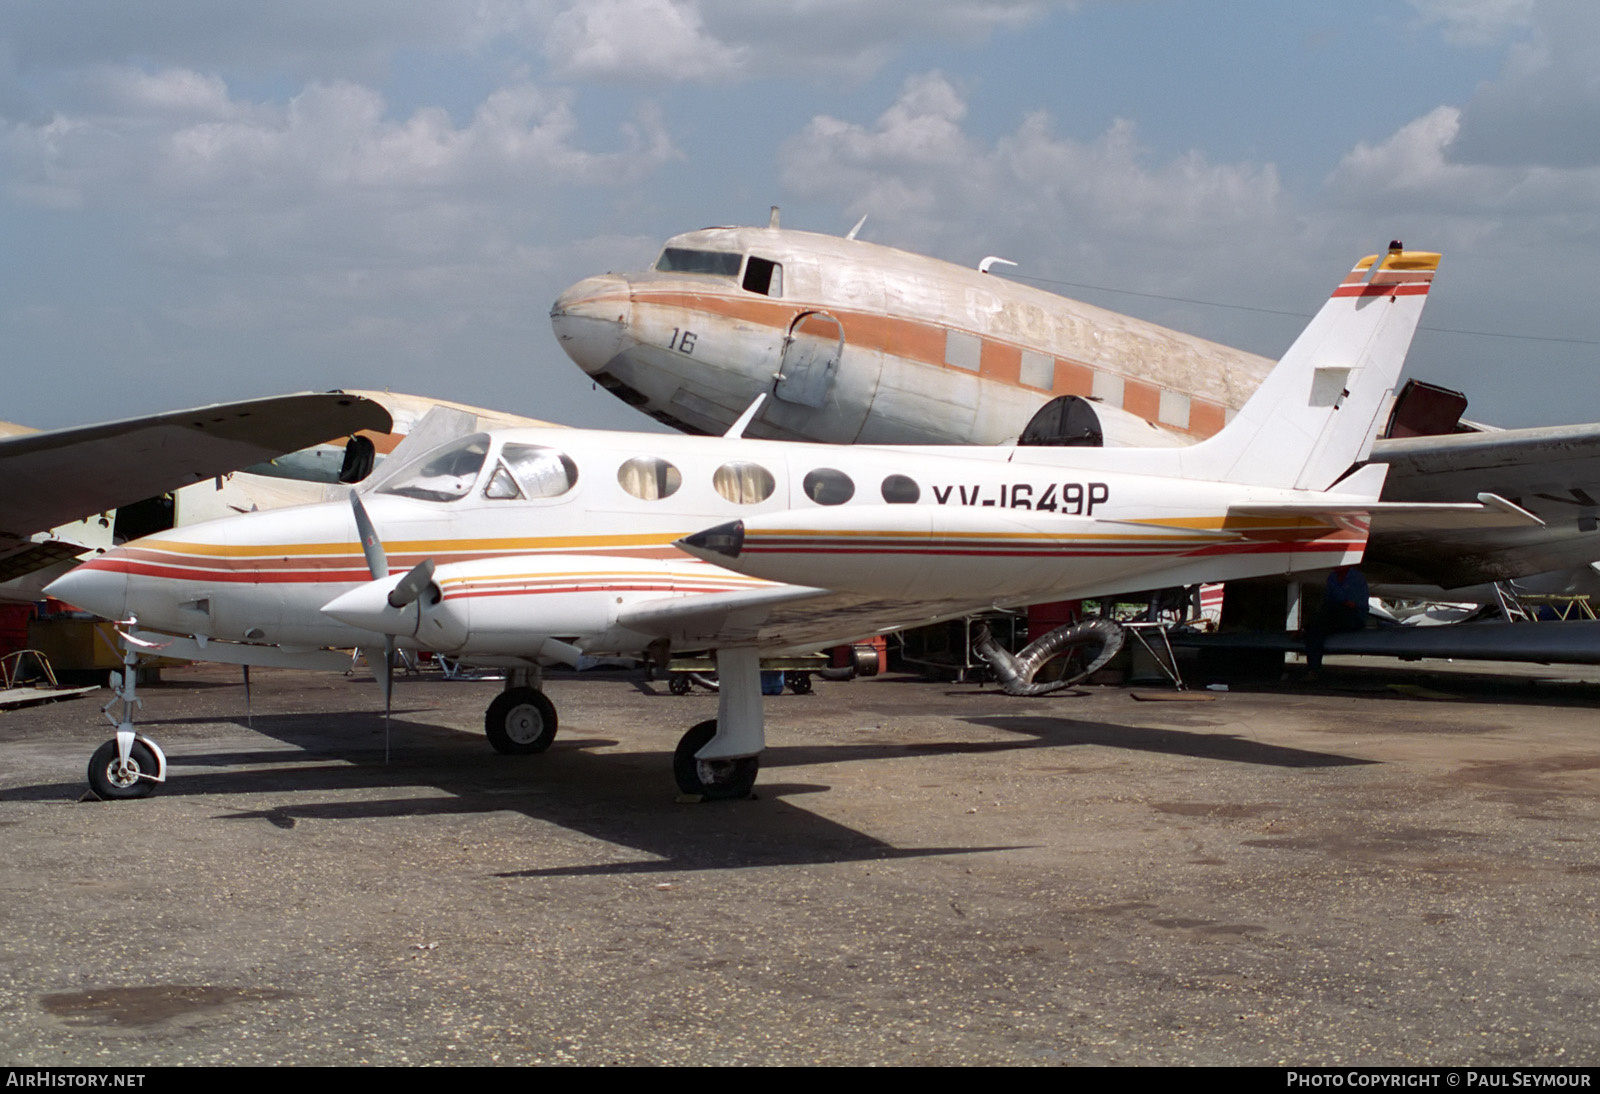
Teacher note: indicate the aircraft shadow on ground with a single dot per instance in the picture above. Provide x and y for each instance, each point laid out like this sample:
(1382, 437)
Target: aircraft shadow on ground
(623, 798)
(1058, 732)
(626, 799)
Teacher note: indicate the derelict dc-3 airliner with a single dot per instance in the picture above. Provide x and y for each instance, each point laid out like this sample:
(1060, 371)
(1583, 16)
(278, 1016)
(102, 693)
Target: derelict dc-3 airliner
(528, 547)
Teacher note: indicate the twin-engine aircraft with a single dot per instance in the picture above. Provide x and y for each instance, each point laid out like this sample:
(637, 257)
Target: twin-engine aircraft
(857, 343)
(525, 548)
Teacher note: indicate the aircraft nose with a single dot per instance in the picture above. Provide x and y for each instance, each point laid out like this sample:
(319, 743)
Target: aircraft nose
(99, 586)
(591, 320)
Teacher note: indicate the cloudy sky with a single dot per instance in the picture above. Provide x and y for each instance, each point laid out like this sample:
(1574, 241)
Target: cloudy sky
(204, 201)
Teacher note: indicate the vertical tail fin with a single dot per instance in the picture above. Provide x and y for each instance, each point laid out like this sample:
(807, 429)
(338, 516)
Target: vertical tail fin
(1317, 412)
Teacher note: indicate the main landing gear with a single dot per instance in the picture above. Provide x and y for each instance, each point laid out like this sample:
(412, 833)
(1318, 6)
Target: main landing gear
(713, 780)
(718, 760)
(522, 720)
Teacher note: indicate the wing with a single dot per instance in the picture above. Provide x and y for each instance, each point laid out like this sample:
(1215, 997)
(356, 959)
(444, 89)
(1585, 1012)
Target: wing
(784, 619)
(1551, 472)
(65, 474)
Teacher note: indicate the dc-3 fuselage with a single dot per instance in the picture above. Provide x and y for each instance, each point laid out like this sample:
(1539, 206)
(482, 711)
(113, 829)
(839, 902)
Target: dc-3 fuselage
(860, 343)
(528, 547)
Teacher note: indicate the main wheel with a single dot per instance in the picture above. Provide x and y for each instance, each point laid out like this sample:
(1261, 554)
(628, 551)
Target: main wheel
(521, 721)
(111, 779)
(714, 780)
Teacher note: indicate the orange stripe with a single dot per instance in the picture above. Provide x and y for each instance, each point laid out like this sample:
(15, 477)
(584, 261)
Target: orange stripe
(909, 339)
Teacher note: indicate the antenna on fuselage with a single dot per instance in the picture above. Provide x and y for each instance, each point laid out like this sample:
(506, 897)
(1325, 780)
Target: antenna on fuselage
(772, 221)
(851, 234)
(983, 267)
(736, 430)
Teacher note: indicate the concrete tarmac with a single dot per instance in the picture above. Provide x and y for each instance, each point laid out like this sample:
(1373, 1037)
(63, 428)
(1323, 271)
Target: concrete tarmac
(1391, 866)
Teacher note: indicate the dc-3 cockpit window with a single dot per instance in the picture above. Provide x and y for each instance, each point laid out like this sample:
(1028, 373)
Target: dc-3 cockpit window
(649, 477)
(764, 276)
(743, 483)
(531, 471)
(441, 474)
(684, 260)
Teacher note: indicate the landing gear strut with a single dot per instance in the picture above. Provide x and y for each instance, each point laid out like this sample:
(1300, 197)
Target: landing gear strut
(129, 765)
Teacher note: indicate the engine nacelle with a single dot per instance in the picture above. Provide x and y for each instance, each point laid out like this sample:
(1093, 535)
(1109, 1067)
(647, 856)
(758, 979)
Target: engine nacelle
(1072, 421)
(532, 606)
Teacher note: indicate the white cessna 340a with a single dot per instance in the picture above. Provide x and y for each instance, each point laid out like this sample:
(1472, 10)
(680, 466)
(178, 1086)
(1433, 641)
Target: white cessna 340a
(528, 547)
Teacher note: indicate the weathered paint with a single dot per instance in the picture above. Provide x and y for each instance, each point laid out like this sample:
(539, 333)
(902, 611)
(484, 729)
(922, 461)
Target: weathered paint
(910, 325)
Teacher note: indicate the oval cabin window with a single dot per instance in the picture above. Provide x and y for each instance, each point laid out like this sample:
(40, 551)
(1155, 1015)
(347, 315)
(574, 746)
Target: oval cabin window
(649, 477)
(743, 483)
(900, 490)
(826, 486)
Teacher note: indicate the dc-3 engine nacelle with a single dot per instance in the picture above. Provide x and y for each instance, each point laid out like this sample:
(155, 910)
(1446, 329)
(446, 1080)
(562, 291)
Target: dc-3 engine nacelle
(518, 607)
(1070, 421)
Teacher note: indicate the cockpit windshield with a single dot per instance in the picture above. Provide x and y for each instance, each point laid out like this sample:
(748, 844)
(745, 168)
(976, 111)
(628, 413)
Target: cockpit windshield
(684, 260)
(441, 474)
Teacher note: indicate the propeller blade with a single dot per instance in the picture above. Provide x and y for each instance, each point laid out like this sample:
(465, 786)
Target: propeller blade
(411, 586)
(377, 561)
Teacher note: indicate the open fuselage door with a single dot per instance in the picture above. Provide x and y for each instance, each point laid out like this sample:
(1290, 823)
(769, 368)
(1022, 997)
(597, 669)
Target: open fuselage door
(818, 393)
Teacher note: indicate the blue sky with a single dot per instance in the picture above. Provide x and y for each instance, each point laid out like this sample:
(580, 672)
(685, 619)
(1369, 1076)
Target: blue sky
(198, 203)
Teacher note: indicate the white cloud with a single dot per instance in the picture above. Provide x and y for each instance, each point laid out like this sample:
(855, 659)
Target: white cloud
(1544, 105)
(317, 242)
(639, 40)
(1476, 22)
(720, 41)
(927, 182)
(179, 133)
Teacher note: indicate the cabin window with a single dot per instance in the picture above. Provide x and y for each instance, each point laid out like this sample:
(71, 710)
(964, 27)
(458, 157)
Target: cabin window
(900, 490)
(684, 260)
(825, 486)
(1037, 369)
(963, 350)
(441, 474)
(763, 276)
(743, 483)
(531, 471)
(649, 477)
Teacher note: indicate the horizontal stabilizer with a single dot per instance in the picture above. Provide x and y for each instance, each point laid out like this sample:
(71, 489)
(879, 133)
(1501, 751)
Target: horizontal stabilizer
(1489, 512)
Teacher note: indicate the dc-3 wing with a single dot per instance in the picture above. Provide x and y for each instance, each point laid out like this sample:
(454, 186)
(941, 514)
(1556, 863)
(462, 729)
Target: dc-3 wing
(66, 474)
(1552, 473)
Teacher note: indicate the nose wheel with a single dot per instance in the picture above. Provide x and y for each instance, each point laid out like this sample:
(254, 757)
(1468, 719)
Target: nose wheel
(113, 778)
